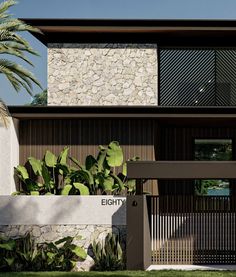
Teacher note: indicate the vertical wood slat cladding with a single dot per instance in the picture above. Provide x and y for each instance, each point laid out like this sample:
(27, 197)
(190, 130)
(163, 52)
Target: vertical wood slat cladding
(204, 234)
(83, 136)
(176, 144)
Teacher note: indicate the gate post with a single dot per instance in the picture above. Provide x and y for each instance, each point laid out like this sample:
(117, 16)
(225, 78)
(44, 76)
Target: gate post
(138, 233)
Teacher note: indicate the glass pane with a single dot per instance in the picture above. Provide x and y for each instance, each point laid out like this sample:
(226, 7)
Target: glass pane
(213, 150)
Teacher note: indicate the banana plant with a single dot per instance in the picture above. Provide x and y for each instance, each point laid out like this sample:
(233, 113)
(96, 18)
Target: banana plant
(50, 174)
(53, 175)
(98, 174)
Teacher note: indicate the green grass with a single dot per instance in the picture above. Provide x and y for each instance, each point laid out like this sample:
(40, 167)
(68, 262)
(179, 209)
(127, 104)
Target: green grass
(165, 273)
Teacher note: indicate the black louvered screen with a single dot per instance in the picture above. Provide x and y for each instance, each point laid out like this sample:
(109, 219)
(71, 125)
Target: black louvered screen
(197, 77)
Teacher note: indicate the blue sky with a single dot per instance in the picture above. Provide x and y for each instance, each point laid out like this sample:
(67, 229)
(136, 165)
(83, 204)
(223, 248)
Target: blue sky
(165, 9)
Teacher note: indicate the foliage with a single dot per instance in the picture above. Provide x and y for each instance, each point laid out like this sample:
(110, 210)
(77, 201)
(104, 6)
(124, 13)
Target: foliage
(61, 255)
(40, 99)
(99, 173)
(53, 175)
(23, 254)
(50, 174)
(13, 44)
(211, 150)
(4, 113)
(133, 273)
(108, 256)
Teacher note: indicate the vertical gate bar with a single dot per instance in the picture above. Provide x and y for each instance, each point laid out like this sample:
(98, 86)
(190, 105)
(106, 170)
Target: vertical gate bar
(178, 231)
(166, 231)
(153, 228)
(158, 229)
(183, 232)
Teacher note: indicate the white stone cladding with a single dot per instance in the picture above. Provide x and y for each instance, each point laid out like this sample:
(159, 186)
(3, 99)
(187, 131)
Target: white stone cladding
(49, 233)
(102, 74)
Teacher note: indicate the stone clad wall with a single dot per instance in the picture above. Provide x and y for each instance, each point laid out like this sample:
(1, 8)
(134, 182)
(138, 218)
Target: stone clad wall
(102, 74)
(91, 217)
(50, 233)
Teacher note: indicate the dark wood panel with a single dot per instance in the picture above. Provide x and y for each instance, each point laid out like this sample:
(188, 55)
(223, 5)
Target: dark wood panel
(83, 136)
(176, 144)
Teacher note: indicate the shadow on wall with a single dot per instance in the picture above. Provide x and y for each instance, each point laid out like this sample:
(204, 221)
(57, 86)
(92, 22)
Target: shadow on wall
(194, 237)
(118, 227)
(11, 213)
(38, 210)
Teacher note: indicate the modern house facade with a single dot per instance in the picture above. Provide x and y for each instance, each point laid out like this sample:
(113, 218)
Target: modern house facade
(165, 89)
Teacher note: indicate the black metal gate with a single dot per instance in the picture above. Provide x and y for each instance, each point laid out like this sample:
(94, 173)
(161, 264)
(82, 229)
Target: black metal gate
(192, 229)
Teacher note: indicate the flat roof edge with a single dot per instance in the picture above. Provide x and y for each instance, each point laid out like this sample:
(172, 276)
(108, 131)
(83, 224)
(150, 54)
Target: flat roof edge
(119, 112)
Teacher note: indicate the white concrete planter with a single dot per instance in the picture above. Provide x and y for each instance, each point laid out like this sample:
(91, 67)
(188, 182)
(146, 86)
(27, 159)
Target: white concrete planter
(49, 210)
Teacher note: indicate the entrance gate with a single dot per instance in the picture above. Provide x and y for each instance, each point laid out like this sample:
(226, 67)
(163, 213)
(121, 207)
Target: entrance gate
(192, 229)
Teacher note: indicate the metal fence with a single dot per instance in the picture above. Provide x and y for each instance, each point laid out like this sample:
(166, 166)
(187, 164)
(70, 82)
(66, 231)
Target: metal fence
(192, 229)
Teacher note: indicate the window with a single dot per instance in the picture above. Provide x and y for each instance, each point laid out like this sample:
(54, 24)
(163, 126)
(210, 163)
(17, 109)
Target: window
(197, 77)
(212, 150)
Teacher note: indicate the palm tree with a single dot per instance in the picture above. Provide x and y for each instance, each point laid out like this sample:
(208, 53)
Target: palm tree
(12, 43)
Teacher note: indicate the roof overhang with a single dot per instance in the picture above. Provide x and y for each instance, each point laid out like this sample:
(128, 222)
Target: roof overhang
(200, 32)
(169, 114)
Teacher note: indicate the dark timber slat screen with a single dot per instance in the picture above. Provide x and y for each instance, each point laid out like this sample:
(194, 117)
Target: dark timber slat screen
(197, 77)
(83, 136)
(192, 229)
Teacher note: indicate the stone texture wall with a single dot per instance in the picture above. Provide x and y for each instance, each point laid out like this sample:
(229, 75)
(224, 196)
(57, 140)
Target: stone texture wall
(102, 74)
(49, 233)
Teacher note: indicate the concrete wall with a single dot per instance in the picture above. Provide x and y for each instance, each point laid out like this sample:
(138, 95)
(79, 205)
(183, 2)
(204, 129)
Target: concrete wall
(49, 218)
(9, 146)
(102, 74)
(48, 210)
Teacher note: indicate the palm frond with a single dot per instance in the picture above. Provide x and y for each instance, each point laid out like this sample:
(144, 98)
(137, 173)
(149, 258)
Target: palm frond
(12, 43)
(15, 72)
(16, 25)
(5, 49)
(4, 6)
(4, 114)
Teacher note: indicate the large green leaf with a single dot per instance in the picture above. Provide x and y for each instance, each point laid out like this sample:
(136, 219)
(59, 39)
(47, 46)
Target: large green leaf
(114, 154)
(66, 190)
(62, 159)
(131, 185)
(82, 188)
(75, 161)
(36, 165)
(118, 181)
(91, 164)
(65, 239)
(31, 185)
(9, 261)
(101, 158)
(50, 159)
(22, 171)
(85, 175)
(34, 193)
(46, 177)
(8, 245)
(108, 183)
(79, 252)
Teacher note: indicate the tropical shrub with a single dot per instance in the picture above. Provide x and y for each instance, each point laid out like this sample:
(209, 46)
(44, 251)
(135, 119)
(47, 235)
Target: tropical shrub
(108, 256)
(50, 174)
(53, 175)
(23, 254)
